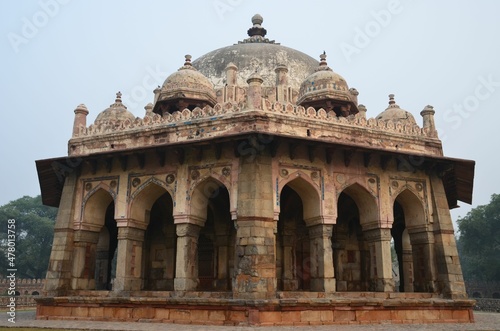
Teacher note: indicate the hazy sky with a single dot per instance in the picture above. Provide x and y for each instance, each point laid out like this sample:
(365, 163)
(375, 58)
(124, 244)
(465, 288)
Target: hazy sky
(57, 54)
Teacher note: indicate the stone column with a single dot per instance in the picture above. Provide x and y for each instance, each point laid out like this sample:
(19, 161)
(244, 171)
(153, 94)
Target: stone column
(255, 251)
(424, 269)
(255, 256)
(170, 256)
(338, 246)
(84, 260)
(322, 272)
(290, 282)
(58, 278)
(379, 243)
(449, 272)
(101, 266)
(129, 259)
(407, 267)
(186, 268)
(222, 246)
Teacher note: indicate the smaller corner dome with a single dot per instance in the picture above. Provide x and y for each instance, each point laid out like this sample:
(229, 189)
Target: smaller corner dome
(188, 83)
(116, 112)
(324, 83)
(395, 113)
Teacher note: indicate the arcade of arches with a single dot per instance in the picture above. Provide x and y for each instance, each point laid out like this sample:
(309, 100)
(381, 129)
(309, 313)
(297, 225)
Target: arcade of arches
(164, 255)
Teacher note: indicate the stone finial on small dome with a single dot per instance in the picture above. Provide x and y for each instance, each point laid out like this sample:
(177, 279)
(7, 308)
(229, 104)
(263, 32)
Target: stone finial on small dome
(323, 65)
(326, 89)
(115, 112)
(187, 63)
(322, 59)
(392, 103)
(118, 99)
(396, 114)
(185, 88)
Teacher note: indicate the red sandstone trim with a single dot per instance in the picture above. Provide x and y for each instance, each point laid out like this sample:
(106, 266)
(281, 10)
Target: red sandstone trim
(259, 312)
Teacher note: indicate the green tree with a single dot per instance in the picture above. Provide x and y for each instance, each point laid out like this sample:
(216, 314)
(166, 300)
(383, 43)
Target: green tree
(34, 230)
(479, 242)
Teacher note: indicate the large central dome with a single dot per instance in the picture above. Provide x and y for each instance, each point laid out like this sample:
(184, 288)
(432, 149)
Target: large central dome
(256, 54)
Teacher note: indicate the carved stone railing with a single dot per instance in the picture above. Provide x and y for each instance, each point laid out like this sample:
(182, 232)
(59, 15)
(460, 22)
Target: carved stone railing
(220, 110)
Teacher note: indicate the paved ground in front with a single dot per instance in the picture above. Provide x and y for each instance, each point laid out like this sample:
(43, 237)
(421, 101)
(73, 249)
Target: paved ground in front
(484, 321)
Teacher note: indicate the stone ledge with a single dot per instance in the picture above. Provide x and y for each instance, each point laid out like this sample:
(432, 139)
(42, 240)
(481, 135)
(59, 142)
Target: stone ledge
(217, 311)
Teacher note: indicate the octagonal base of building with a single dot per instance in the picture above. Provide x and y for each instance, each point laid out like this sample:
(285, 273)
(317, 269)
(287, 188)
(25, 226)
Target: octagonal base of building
(291, 308)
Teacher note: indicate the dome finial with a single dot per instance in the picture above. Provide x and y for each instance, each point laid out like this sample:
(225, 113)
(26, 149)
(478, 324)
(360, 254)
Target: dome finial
(257, 29)
(322, 59)
(188, 60)
(257, 20)
(392, 103)
(118, 99)
(323, 65)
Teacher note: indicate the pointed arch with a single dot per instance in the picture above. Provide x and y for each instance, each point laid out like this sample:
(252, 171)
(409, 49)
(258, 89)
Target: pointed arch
(210, 206)
(159, 246)
(292, 238)
(365, 201)
(204, 190)
(95, 237)
(144, 197)
(413, 208)
(413, 242)
(308, 192)
(94, 207)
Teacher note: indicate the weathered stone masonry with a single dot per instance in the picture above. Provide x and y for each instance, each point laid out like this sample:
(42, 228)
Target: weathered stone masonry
(255, 190)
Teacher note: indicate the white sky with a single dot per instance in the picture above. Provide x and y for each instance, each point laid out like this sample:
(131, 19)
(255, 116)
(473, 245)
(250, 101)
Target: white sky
(57, 54)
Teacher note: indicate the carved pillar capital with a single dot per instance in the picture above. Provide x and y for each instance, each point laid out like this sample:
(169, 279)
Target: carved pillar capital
(86, 236)
(321, 231)
(377, 235)
(131, 234)
(423, 237)
(187, 230)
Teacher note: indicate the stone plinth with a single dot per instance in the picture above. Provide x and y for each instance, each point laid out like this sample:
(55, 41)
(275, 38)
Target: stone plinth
(291, 308)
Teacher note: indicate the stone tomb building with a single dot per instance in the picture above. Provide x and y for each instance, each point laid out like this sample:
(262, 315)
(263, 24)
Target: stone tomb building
(255, 191)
